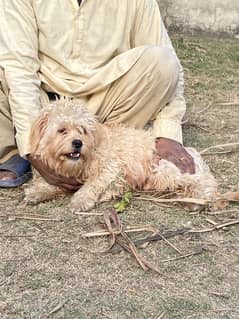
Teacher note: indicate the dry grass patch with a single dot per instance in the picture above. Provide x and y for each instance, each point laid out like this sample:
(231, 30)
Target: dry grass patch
(48, 270)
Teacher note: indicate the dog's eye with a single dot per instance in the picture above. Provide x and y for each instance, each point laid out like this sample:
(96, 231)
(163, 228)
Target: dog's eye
(62, 131)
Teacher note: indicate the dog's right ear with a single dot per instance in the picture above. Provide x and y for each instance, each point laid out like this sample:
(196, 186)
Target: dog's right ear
(37, 132)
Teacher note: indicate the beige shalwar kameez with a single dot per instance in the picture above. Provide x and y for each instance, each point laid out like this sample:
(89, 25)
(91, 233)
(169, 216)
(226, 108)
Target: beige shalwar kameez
(114, 54)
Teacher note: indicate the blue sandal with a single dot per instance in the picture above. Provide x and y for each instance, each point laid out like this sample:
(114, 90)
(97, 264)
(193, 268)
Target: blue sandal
(18, 166)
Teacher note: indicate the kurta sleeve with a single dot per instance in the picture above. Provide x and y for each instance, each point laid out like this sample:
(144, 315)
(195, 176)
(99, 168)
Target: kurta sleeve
(19, 60)
(150, 29)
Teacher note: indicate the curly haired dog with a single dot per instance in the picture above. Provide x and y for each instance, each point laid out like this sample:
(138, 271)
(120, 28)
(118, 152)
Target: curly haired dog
(106, 160)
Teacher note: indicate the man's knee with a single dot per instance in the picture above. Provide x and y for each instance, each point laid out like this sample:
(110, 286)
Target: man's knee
(161, 63)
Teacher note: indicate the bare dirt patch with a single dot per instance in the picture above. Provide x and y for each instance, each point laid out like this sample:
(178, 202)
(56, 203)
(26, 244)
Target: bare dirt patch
(47, 270)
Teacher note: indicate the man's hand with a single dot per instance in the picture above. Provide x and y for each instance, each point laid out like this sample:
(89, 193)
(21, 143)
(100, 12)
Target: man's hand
(69, 184)
(174, 152)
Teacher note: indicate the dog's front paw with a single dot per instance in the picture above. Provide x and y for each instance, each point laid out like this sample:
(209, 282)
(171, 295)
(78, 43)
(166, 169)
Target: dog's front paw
(32, 197)
(81, 203)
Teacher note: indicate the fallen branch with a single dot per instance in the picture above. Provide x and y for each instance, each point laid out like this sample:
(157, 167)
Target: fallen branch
(30, 218)
(218, 146)
(218, 104)
(56, 309)
(112, 221)
(235, 103)
(210, 221)
(170, 244)
(220, 152)
(167, 234)
(16, 236)
(219, 202)
(225, 309)
(216, 227)
(221, 212)
(177, 200)
(88, 214)
(115, 231)
(184, 256)
(205, 109)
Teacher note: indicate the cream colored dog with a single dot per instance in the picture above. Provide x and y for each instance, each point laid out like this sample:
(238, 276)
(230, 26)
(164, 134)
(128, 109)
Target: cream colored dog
(107, 160)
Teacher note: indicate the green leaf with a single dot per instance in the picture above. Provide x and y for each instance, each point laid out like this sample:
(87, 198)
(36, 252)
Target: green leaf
(121, 205)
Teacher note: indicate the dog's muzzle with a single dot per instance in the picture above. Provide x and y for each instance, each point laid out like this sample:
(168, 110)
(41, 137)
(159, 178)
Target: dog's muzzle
(76, 153)
(77, 144)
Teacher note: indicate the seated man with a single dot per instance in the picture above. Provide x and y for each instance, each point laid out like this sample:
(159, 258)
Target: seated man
(116, 55)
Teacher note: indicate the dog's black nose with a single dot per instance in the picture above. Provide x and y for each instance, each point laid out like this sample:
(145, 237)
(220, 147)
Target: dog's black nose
(77, 144)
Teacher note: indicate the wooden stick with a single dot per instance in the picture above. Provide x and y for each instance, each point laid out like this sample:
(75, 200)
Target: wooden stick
(140, 259)
(170, 244)
(219, 153)
(218, 226)
(210, 221)
(222, 310)
(228, 103)
(218, 104)
(205, 108)
(88, 214)
(101, 233)
(30, 218)
(16, 236)
(220, 212)
(167, 234)
(56, 309)
(179, 200)
(218, 146)
(219, 294)
(181, 257)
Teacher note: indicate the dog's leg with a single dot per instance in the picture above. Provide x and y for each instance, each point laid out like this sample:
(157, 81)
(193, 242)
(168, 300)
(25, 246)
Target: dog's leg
(112, 193)
(91, 192)
(38, 190)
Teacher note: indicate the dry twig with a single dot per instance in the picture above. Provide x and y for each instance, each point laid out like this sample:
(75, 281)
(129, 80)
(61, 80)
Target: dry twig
(177, 200)
(221, 212)
(88, 214)
(218, 146)
(170, 244)
(112, 221)
(56, 309)
(218, 104)
(115, 231)
(235, 103)
(216, 227)
(30, 218)
(181, 257)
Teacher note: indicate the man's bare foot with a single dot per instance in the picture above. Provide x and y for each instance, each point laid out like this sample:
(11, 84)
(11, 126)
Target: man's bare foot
(7, 175)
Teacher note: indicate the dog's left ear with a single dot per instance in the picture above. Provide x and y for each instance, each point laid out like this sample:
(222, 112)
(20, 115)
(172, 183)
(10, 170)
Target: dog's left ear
(37, 132)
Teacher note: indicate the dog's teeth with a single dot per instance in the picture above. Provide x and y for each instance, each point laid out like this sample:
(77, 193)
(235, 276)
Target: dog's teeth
(75, 155)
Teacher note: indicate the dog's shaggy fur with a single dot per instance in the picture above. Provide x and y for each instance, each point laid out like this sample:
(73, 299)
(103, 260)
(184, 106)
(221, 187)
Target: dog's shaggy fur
(106, 160)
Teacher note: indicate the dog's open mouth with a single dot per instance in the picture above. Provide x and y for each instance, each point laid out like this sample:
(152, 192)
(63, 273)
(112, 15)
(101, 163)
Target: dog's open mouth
(73, 156)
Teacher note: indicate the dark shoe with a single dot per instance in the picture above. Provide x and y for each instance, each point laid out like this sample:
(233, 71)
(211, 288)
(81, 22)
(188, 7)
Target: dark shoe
(20, 167)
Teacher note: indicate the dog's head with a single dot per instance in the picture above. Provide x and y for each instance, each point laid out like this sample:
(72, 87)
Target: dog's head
(64, 136)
